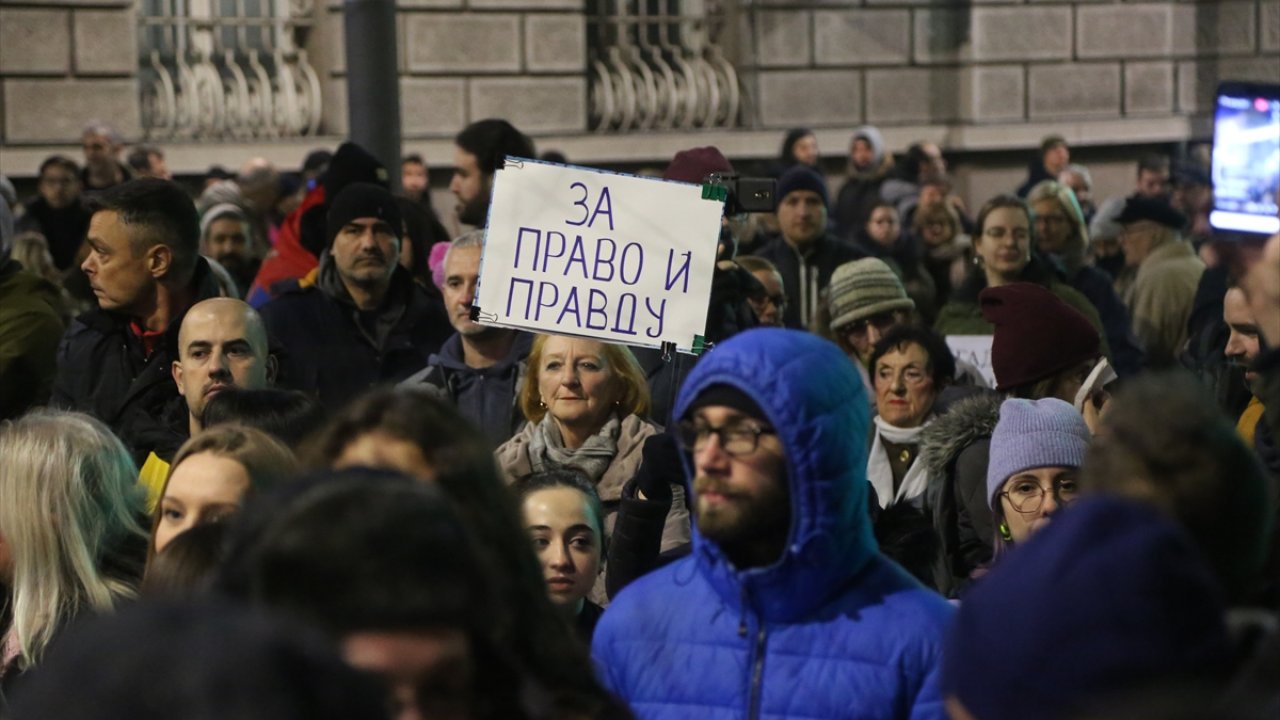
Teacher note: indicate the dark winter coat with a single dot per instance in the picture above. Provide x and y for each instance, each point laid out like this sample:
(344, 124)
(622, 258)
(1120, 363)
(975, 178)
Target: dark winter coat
(64, 229)
(955, 446)
(331, 349)
(31, 326)
(804, 278)
(103, 370)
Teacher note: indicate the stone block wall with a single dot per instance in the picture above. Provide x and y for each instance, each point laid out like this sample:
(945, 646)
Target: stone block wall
(64, 62)
(975, 62)
(465, 60)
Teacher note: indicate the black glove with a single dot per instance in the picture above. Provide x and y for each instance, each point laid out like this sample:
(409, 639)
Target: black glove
(659, 468)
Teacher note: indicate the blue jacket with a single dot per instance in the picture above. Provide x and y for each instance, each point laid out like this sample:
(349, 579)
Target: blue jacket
(833, 629)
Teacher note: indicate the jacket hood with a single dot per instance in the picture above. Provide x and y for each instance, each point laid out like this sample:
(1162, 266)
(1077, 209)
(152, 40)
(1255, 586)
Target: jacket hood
(811, 394)
(965, 422)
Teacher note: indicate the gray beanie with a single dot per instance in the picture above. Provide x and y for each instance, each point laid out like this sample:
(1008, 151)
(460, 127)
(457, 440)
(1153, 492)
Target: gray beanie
(863, 288)
(1034, 434)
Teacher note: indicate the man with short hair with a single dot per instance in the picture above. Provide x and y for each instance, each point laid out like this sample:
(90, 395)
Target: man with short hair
(1152, 182)
(786, 606)
(363, 321)
(1167, 275)
(226, 238)
(477, 155)
(58, 212)
(480, 368)
(148, 161)
(1244, 345)
(804, 253)
(222, 344)
(145, 270)
(102, 166)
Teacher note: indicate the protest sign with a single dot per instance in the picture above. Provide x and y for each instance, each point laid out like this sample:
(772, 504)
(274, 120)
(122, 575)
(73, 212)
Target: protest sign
(975, 351)
(618, 258)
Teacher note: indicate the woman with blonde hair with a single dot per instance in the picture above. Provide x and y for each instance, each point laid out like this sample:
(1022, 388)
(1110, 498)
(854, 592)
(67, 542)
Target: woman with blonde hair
(71, 538)
(586, 403)
(211, 476)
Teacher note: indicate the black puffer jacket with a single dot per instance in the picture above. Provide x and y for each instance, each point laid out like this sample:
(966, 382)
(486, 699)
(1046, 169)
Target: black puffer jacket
(103, 370)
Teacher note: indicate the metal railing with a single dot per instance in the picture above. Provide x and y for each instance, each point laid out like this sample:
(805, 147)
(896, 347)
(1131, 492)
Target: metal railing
(657, 64)
(226, 69)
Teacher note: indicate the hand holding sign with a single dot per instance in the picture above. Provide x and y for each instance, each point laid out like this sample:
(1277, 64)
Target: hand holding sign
(583, 252)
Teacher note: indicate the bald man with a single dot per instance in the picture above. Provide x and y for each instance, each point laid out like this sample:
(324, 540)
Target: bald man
(222, 343)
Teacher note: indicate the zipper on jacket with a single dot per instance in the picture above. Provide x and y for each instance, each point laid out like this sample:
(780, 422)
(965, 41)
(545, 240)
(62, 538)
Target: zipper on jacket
(757, 675)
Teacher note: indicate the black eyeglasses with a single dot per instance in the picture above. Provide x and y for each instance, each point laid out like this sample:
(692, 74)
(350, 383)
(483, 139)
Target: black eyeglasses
(736, 440)
(881, 321)
(1026, 496)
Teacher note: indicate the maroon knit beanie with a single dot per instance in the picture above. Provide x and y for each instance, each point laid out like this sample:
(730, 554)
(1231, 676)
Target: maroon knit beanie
(1037, 335)
(694, 165)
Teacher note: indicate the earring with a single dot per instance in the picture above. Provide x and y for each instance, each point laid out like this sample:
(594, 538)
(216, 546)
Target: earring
(542, 404)
(1004, 532)
(977, 260)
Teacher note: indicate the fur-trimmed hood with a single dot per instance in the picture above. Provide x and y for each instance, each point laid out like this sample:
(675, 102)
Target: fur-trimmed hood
(965, 422)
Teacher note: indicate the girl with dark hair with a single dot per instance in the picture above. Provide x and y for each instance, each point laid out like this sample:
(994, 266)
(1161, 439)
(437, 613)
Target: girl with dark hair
(563, 515)
(799, 147)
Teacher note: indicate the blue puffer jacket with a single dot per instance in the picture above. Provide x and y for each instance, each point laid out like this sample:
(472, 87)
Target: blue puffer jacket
(833, 629)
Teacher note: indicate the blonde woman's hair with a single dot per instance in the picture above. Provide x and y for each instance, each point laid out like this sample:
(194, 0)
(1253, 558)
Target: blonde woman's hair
(69, 499)
(635, 391)
(266, 461)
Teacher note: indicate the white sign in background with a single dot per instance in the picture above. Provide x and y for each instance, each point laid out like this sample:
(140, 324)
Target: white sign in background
(975, 350)
(618, 258)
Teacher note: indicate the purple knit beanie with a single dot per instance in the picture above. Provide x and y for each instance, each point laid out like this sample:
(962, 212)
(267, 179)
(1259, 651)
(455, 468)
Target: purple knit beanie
(1034, 434)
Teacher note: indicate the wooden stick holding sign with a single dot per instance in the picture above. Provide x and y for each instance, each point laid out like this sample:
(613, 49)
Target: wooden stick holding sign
(618, 258)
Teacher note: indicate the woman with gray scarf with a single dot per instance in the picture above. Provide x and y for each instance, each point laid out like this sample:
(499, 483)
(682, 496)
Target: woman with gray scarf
(586, 403)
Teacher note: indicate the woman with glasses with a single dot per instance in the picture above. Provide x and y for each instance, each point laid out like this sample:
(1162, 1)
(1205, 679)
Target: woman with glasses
(1061, 233)
(1037, 449)
(1004, 252)
(865, 299)
(1041, 348)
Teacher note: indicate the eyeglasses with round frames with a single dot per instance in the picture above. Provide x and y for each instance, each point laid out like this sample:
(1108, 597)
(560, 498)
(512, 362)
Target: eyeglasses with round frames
(1027, 496)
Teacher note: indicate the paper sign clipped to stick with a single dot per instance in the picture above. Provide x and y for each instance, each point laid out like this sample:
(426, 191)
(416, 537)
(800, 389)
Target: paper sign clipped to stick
(613, 257)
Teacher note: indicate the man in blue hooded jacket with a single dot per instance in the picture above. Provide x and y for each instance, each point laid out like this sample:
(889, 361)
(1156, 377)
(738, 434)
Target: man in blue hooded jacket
(786, 608)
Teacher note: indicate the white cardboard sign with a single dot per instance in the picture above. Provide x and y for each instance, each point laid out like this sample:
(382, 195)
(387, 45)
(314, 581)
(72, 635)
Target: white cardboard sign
(618, 258)
(976, 351)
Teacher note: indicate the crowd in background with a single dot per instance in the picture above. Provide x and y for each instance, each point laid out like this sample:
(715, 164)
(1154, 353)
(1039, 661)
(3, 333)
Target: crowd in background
(260, 460)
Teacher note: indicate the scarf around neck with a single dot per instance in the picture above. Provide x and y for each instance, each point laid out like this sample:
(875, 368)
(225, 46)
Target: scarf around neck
(547, 450)
(880, 473)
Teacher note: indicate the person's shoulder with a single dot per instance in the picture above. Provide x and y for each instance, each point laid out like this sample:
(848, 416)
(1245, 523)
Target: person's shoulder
(900, 600)
(646, 602)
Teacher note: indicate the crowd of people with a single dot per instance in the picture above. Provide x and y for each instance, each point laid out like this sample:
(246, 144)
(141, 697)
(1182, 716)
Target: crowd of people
(259, 458)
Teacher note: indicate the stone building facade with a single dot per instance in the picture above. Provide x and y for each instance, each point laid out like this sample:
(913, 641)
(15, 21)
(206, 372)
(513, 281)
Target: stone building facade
(976, 76)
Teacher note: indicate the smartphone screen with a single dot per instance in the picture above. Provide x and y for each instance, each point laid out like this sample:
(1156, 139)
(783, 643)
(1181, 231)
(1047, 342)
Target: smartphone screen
(1246, 159)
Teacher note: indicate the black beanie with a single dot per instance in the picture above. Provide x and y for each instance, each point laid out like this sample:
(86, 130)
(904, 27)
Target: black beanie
(352, 164)
(729, 396)
(363, 200)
